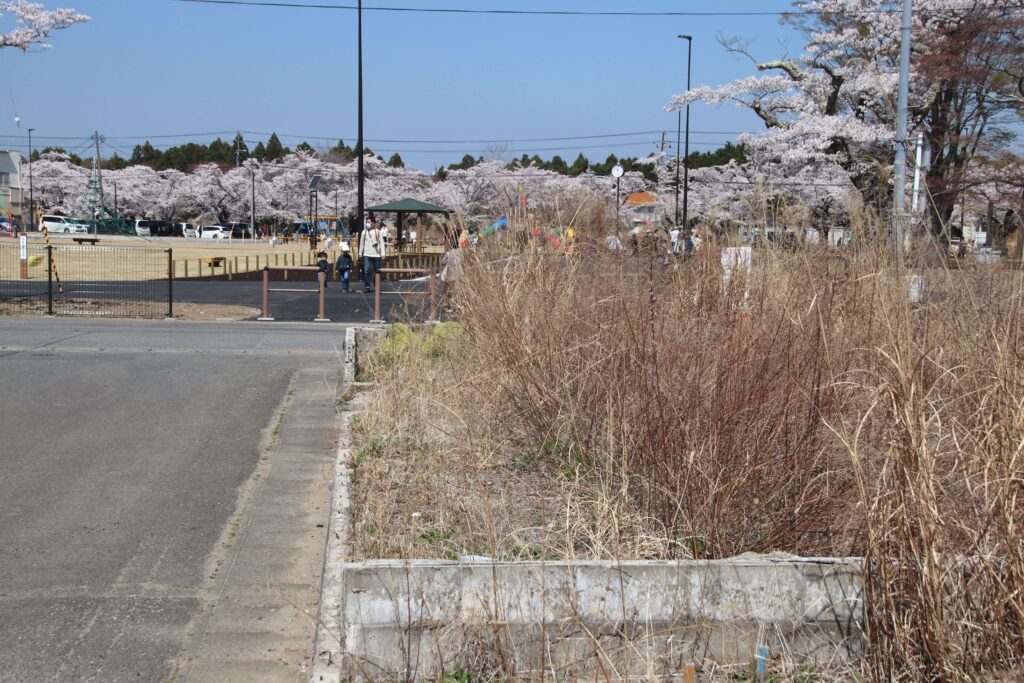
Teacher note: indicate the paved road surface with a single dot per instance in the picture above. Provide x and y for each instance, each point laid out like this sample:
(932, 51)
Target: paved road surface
(124, 444)
(355, 307)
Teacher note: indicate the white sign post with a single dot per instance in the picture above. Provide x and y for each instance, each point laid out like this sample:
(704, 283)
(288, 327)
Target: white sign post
(737, 259)
(23, 255)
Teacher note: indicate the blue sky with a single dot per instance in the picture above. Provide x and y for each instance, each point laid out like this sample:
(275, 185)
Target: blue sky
(148, 68)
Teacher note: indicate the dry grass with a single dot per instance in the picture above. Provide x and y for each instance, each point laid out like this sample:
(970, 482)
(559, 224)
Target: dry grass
(601, 406)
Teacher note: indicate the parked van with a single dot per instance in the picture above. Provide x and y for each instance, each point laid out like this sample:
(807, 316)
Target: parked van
(213, 232)
(62, 224)
(143, 228)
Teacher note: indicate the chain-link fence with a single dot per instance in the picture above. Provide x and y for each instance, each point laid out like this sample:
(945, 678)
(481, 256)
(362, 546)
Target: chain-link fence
(123, 282)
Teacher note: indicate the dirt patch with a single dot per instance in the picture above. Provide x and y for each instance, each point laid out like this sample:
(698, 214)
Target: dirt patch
(185, 311)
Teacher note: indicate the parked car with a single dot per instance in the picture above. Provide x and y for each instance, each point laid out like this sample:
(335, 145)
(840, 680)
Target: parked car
(187, 230)
(214, 232)
(5, 228)
(164, 229)
(238, 230)
(143, 228)
(63, 224)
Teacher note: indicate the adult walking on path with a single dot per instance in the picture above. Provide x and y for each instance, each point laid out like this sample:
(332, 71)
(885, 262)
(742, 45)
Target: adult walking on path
(371, 248)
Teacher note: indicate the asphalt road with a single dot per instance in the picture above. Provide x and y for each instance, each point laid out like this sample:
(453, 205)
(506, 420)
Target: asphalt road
(123, 447)
(354, 307)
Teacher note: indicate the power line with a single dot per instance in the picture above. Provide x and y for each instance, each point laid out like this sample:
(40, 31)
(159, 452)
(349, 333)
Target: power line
(497, 140)
(516, 12)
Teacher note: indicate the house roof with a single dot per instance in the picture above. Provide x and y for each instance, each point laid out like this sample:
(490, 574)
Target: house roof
(407, 206)
(640, 199)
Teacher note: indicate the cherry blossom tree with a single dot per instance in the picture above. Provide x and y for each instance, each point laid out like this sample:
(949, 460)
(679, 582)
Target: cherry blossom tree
(35, 23)
(58, 184)
(834, 104)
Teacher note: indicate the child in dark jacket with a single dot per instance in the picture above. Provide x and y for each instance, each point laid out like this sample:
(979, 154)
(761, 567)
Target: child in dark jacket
(344, 266)
(325, 267)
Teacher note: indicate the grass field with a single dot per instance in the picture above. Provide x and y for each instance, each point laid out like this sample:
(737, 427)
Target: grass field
(146, 259)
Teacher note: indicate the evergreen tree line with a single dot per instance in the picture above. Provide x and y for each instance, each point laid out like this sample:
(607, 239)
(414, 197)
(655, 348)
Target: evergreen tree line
(719, 157)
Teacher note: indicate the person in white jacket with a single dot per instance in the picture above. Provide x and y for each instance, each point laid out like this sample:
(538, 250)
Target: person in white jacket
(371, 248)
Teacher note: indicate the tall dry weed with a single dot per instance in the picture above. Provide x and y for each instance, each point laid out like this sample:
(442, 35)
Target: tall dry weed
(601, 404)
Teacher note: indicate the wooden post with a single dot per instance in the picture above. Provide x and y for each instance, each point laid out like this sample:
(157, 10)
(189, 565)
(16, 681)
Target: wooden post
(236, 263)
(376, 298)
(266, 295)
(322, 279)
(433, 299)
(186, 267)
(170, 283)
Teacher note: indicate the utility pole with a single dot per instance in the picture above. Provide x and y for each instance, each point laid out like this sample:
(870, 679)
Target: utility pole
(31, 197)
(686, 179)
(686, 149)
(97, 184)
(252, 206)
(900, 170)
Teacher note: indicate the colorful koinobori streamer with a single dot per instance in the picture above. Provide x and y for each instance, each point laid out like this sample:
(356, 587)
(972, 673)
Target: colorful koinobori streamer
(501, 223)
(553, 240)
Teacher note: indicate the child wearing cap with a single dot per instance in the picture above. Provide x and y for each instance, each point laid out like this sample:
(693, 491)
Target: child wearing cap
(344, 266)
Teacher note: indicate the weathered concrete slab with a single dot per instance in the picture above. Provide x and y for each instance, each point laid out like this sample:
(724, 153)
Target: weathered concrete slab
(422, 618)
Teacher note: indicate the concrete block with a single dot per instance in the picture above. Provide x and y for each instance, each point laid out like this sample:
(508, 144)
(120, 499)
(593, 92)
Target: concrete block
(595, 619)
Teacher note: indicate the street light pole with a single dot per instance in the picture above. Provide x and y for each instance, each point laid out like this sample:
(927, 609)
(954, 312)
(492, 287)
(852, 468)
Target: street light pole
(686, 151)
(31, 198)
(359, 142)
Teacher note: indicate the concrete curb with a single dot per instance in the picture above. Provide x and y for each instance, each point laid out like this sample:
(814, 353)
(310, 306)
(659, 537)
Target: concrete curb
(329, 631)
(327, 662)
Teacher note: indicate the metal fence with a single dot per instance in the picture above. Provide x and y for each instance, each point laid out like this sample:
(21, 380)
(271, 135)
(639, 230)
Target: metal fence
(123, 282)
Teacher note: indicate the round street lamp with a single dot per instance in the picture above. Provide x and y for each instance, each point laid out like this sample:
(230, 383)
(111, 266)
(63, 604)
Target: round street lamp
(617, 173)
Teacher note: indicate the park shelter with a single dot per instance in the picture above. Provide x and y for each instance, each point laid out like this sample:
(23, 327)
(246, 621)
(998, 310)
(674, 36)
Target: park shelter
(641, 209)
(640, 199)
(404, 207)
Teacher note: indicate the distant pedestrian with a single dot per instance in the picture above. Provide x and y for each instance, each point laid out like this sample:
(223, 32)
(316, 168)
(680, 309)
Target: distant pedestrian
(324, 267)
(344, 267)
(371, 248)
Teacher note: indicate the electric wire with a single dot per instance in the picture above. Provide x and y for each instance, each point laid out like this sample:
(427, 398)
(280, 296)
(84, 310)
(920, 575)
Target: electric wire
(548, 13)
